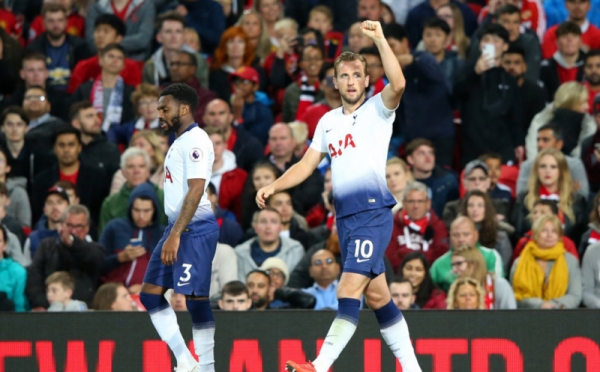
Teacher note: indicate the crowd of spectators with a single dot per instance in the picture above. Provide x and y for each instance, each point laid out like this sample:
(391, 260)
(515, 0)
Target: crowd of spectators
(494, 159)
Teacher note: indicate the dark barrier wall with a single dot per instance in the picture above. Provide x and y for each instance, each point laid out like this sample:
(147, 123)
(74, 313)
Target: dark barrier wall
(515, 341)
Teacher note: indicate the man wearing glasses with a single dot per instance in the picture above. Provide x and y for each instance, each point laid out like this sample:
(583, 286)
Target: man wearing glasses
(325, 271)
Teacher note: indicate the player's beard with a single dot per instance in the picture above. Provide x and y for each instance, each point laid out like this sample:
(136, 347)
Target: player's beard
(175, 125)
(353, 101)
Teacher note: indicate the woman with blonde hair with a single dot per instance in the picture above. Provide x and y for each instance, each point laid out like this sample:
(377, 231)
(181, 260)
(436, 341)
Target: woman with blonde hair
(271, 11)
(465, 294)
(397, 175)
(569, 112)
(468, 262)
(457, 41)
(148, 141)
(254, 25)
(546, 276)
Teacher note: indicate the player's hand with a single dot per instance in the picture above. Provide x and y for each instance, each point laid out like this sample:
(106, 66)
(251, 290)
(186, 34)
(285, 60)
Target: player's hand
(169, 250)
(65, 236)
(372, 29)
(263, 194)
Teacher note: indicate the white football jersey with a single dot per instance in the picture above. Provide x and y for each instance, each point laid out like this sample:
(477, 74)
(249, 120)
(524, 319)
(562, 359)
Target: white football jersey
(358, 146)
(191, 156)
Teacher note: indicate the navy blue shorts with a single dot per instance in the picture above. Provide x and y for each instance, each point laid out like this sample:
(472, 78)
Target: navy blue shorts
(192, 271)
(364, 237)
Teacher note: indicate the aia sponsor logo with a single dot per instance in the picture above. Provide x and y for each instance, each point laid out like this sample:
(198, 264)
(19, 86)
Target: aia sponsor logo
(342, 145)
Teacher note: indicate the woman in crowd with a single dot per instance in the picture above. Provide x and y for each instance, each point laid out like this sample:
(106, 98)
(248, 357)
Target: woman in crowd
(466, 294)
(255, 27)
(546, 276)
(263, 174)
(13, 278)
(478, 206)
(457, 40)
(415, 268)
(468, 262)
(19, 206)
(113, 296)
(550, 179)
(592, 235)
(148, 141)
(387, 15)
(271, 11)
(398, 175)
(568, 111)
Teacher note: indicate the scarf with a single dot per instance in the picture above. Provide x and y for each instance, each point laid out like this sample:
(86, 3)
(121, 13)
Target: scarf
(141, 124)
(376, 88)
(594, 237)
(307, 96)
(114, 109)
(547, 195)
(529, 280)
(419, 226)
(489, 298)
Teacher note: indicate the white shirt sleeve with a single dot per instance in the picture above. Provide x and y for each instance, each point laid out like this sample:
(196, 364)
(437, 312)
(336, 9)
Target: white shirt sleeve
(318, 142)
(383, 111)
(196, 156)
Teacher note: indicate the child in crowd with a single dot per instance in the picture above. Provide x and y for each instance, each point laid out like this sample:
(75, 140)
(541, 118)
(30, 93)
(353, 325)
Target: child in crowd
(59, 289)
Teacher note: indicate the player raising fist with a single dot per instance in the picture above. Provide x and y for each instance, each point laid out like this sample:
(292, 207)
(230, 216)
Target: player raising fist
(356, 137)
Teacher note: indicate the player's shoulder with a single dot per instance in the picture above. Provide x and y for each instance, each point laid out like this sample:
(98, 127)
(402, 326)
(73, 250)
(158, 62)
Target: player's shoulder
(194, 137)
(333, 113)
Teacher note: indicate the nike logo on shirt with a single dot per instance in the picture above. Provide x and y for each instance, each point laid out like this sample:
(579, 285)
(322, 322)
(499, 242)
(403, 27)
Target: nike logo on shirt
(179, 284)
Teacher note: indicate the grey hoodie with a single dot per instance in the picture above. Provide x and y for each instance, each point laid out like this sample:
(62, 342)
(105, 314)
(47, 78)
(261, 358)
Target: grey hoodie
(19, 206)
(13, 248)
(291, 253)
(155, 69)
(590, 268)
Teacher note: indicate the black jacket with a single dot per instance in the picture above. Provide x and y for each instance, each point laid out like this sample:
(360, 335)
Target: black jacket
(247, 149)
(78, 49)
(84, 91)
(534, 100)
(82, 260)
(491, 112)
(40, 141)
(294, 299)
(549, 75)
(103, 154)
(9, 64)
(93, 185)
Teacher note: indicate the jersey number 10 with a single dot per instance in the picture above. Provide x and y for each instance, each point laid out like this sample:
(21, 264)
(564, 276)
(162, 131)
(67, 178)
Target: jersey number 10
(363, 251)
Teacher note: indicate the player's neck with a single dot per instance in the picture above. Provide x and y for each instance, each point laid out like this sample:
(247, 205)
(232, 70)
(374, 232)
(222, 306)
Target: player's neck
(186, 122)
(349, 108)
(269, 247)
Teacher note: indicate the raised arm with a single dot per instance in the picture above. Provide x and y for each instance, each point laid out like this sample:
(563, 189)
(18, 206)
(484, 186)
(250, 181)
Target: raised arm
(392, 92)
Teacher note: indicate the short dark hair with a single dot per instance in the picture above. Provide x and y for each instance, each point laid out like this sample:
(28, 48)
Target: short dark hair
(36, 87)
(53, 8)
(437, 23)
(170, 15)
(190, 56)
(16, 110)
(549, 203)
(311, 46)
(591, 54)
(495, 29)
(515, 49)
(234, 288)
(77, 107)
(112, 21)
(416, 143)
(268, 209)
(557, 131)
(262, 272)
(566, 28)
(395, 31)
(318, 35)
(113, 46)
(370, 51)
(508, 9)
(183, 94)
(490, 155)
(64, 131)
(401, 280)
(324, 67)
(287, 192)
(68, 185)
(33, 56)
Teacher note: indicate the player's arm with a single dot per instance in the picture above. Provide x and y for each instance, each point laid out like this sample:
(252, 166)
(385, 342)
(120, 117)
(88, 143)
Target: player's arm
(293, 176)
(392, 93)
(189, 205)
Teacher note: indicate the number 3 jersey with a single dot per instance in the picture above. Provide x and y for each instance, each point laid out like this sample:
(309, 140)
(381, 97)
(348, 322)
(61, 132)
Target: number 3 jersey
(358, 146)
(191, 156)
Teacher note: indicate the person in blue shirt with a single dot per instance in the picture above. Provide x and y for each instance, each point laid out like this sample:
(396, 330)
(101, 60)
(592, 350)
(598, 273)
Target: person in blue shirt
(325, 271)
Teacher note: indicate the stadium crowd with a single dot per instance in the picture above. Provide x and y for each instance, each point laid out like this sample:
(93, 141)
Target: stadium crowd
(494, 159)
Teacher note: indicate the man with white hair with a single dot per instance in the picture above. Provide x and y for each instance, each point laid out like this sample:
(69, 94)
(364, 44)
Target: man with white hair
(135, 165)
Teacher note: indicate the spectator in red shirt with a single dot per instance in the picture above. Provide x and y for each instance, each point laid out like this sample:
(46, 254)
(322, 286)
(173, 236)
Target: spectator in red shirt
(415, 268)
(566, 64)
(75, 22)
(590, 34)
(108, 29)
(331, 100)
(591, 74)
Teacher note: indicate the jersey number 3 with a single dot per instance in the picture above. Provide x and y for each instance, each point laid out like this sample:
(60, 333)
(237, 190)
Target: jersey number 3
(168, 175)
(363, 251)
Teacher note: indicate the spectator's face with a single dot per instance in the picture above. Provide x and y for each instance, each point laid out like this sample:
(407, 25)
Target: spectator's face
(414, 271)
(104, 35)
(258, 286)
(416, 204)
(245, 87)
(375, 67)
(34, 73)
(123, 301)
(142, 143)
(147, 107)
(218, 145)
(463, 234)
(67, 149)
(396, 178)
(546, 140)
(236, 47)
(512, 24)
(319, 21)
(178, 302)
(387, 16)
(494, 169)
(514, 64)
(54, 207)
(369, 9)
(181, 68)
(88, 122)
(290, 34)
(35, 103)
(434, 40)
(14, 128)
(548, 237)
(136, 171)
(218, 115)
(142, 213)
(270, 10)
(422, 159)
(466, 297)
(268, 227)
(327, 186)
(251, 26)
(447, 15)
(171, 35)
(548, 171)
(477, 180)
(281, 141)
(113, 62)
(460, 267)
(312, 60)
(476, 208)
(402, 295)
(191, 39)
(592, 70)
(77, 225)
(282, 202)
(351, 81)
(399, 47)
(577, 9)
(569, 44)
(323, 267)
(277, 277)
(540, 211)
(497, 41)
(55, 24)
(57, 293)
(262, 177)
(357, 40)
(240, 302)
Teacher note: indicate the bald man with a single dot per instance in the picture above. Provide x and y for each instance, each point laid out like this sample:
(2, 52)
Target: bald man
(462, 233)
(247, 149)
